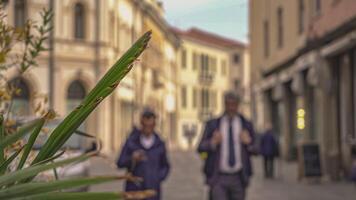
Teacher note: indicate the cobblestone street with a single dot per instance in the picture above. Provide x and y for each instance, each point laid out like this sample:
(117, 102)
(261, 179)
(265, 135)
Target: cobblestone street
(186, 182)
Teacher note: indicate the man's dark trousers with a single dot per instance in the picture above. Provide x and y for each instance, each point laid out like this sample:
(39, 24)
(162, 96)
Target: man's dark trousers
(228, 187)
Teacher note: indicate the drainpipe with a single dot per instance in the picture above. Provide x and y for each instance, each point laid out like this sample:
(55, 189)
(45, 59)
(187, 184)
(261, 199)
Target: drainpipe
(97, 40)
(97, 59)
(135, 87)
(51, 58)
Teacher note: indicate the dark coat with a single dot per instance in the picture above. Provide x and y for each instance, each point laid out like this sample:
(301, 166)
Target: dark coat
(269, 145)
(153, 170)
(353, 172)
(211, 165)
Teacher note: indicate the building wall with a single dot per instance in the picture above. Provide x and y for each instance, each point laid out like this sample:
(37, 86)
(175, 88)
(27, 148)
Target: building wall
(298, 85)
(120, 23)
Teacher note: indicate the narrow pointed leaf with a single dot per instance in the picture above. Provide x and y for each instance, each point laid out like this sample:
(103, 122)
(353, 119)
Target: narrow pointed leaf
(55, 174)
(20, 175)
(22, 131)
(81, 133)
(4, 165)
(40, 188)
(73, 196)
(30, 142)
(2, 136)
(50, 159)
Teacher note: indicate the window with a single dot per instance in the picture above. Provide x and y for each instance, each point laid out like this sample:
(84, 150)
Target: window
(20, 13)
(184, 97)
(195, 98)
(194, 61)
(236, 58)
(280, 36)
(75, 94)
(301, 15)
(21, 100)
(79, 21)
(204, 59)
(223, 67)
(156, 79)
(236, 84)
(213, 99)
(266, 38)
(205, 99)
(184, 58)
(317, 6)
(213, 64)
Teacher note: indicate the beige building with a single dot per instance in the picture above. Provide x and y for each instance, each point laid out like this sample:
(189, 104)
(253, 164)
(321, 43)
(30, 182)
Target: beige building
(209, 65)
(89, 36)
(303, 75)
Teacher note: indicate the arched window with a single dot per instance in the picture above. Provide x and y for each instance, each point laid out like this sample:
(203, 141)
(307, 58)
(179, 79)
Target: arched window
(21, 98)
(19, 13)
(75, 94)
(79, 21)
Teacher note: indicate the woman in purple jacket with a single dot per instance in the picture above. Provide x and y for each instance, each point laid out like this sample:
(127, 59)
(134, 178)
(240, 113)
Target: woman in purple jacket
(144, 155)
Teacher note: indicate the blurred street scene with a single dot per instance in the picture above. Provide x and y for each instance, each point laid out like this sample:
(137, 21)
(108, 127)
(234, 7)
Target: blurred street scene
(294, 72)
(186, 182)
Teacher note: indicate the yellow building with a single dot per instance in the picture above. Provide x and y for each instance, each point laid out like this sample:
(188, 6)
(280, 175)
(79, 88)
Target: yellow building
(89, 36)
(209, 65)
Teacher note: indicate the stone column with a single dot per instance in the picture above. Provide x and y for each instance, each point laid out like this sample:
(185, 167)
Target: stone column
(329, 118)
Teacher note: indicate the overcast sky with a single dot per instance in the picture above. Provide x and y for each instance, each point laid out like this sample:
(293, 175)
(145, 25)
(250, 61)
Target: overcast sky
(225, 17)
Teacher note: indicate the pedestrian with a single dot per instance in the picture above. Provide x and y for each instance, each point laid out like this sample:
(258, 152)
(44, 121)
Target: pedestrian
(144, 155)
(353, 168)
(227, 142)
(269, 150)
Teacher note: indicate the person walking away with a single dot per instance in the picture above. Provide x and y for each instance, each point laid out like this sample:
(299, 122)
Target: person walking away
(269, 150)
(228, 143)
(353, 168)
(144, 155)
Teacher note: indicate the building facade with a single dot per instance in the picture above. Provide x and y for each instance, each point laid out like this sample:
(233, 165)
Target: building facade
(303, 75)
(209, 65)
(89, 36)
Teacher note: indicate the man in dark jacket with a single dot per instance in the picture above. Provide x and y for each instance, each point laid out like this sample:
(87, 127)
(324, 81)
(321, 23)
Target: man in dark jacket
(144, 155)
(227, 141)
(269, 150)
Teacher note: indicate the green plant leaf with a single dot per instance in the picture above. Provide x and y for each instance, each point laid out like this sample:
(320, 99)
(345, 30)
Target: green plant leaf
(29, 172)
(39, 188)
(73, 196)
(4, 165)
(22, 131)
(51, 158)
(104, 87)
(2, 136)
(30, 142)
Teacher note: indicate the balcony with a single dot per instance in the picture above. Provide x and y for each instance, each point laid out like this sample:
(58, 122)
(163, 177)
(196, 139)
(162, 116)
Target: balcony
(206, 78)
